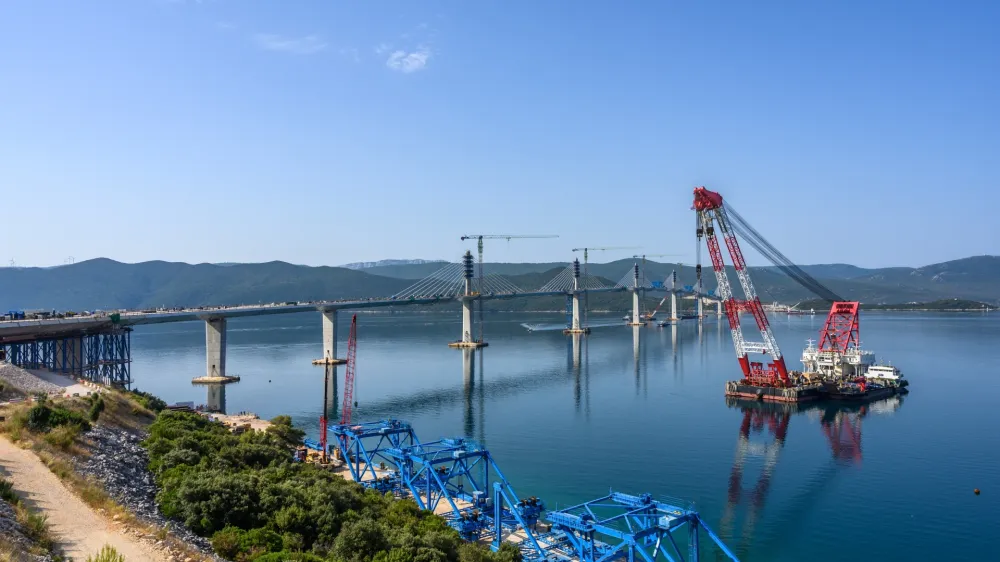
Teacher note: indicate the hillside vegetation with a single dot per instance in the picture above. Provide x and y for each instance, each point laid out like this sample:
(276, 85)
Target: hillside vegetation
(246, 494)
(107, 284)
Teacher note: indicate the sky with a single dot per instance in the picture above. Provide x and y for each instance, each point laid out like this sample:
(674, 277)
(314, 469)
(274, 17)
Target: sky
(325, 132)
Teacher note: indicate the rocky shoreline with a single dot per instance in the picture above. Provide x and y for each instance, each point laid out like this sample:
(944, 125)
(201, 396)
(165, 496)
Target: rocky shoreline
(120, 464)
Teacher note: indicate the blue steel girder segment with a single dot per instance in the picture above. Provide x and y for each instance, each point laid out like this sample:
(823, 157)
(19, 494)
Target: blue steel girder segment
(623, 525)
(364, 447)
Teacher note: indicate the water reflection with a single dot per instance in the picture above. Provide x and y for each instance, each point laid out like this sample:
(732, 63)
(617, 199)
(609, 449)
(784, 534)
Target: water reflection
(473, 414)
(215, 398)
(760, 440)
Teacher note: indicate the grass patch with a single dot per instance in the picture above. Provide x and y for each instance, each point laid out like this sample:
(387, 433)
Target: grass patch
(107, 554)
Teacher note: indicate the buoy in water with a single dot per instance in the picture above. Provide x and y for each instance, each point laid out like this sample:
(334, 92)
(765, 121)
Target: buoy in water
(976, 491)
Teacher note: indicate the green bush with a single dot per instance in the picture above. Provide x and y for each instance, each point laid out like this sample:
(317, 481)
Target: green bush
(148, 401)
(96, 407)
(287, 555)
(107, 554)
(227, 542)
(7, 493)
(245, 493)
(42, 418)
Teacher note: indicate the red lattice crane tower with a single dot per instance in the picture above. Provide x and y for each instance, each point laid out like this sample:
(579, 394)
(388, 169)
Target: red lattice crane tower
(841, 329)
(712, 212)
(352, 354)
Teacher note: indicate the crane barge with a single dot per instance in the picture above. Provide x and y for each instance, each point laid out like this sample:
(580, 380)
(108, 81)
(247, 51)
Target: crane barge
(838, 368)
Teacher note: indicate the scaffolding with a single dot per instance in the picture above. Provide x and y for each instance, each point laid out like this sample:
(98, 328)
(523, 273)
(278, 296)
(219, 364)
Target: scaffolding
(103, 357)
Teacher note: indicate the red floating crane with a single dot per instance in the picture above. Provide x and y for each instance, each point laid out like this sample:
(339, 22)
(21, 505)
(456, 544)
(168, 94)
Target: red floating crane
(352, 353)
(711, 211)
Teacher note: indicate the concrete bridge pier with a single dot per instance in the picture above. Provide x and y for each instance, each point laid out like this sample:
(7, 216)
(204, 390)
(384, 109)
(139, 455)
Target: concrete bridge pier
(468, 299)
(215, 353)
(673, 308)
(718, 308)
(329, 340)
(577, 326)
(637, 319)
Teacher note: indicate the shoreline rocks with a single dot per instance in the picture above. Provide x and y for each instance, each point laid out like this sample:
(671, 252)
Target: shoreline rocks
(120, 464)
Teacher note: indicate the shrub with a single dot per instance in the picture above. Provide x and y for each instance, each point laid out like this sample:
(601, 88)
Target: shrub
(7, 493)
(226, 542)
(42, 418)
(148, 401)
(107, 554)
(96, 407)
(62, 437)
(286, 555)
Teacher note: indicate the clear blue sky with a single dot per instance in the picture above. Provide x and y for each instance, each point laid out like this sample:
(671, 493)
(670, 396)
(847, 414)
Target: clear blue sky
(324, 132)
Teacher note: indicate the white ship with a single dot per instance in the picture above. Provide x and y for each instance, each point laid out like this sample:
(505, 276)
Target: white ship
(850, 365)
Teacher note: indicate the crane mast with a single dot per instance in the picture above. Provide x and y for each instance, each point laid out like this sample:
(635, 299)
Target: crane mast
(711, 212)
(479, 243)
(352, 354)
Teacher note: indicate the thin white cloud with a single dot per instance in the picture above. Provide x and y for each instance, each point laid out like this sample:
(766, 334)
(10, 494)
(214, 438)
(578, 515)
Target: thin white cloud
(351, 54)
(305, 45)
(225, 25)
(382, 49)
(407, 62)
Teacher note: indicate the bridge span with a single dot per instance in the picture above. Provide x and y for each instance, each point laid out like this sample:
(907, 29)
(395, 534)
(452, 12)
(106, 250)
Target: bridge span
(97, 347)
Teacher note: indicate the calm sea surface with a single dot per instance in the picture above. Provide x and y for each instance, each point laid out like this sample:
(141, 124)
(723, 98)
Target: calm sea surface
(643, 411)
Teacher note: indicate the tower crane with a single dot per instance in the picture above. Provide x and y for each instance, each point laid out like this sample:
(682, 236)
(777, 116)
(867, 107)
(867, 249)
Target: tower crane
(586, 255)
(479, 238)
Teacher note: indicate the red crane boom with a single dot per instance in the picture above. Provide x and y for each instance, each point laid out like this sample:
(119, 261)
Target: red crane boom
(352, 353)
(711, 211)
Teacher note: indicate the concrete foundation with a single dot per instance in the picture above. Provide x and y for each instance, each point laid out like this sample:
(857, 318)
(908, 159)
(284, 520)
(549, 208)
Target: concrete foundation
(718, 308)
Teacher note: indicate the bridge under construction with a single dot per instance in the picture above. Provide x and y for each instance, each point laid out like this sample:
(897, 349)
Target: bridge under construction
(97, 347)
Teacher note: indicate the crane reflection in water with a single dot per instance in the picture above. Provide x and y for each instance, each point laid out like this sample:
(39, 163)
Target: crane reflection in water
(761, 438)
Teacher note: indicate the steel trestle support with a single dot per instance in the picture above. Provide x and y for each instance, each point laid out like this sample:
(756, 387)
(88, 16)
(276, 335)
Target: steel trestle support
(364, 445)
(103, 357)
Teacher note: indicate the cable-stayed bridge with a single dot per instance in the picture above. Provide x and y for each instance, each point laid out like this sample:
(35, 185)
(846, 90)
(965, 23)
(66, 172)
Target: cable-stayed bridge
(97, 347)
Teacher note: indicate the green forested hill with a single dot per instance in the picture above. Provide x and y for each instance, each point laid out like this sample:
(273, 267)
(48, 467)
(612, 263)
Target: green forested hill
(104, 283)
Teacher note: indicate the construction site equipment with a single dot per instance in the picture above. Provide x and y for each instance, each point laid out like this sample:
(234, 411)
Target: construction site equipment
(461, 481)
(346, 409)
(711, 212)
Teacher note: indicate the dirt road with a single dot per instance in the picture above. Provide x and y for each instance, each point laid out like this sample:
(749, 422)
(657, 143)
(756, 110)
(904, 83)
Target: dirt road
(76, 528)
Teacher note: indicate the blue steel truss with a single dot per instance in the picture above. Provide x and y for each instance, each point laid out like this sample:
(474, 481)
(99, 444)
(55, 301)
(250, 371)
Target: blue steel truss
(108, 357)
(623, 526)
(459, 480)
(103, 357)
(364, 447)
(452, 477)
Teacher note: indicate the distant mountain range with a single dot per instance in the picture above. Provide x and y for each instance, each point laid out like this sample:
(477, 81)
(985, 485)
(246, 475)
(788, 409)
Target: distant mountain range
(107, 284)
(385, 263)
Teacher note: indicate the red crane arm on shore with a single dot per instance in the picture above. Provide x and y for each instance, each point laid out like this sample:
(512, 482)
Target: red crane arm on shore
(352, 353)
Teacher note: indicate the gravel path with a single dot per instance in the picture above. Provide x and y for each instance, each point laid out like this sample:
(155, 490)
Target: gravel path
(25, 381)
(76, 528)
